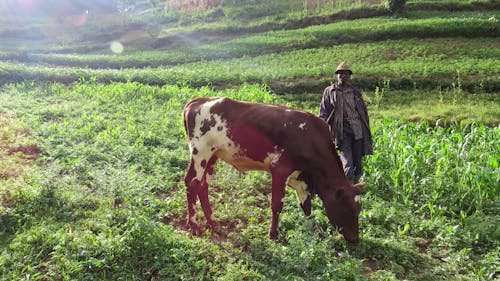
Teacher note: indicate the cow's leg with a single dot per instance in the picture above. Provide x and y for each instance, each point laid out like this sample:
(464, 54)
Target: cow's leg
(277, 194)
(193, 186)
(203, 192)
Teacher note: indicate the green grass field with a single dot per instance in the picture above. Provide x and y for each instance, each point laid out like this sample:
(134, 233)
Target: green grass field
(93, 150)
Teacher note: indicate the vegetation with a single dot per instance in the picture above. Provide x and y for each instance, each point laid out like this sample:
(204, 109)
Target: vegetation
(92, 147)
(106, 200)
(395, 6)
(428, 64)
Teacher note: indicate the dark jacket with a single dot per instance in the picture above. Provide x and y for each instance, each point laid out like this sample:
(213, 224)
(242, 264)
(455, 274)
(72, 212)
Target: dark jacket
(332, 102)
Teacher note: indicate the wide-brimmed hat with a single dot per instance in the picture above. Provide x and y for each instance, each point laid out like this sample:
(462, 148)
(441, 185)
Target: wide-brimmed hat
(343, 66)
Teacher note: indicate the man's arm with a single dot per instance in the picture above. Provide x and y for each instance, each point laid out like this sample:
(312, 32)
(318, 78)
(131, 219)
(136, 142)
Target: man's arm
(326, 107)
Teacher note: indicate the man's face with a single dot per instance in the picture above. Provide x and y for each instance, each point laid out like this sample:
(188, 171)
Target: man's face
(343, 76)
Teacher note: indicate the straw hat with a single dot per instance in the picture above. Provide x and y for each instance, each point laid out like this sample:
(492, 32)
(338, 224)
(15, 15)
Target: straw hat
(343, 66)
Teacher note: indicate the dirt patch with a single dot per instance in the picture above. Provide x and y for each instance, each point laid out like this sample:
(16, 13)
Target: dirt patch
(220, 234)
(369, 266)
(18, 149)
(30, 152)
(424, 244)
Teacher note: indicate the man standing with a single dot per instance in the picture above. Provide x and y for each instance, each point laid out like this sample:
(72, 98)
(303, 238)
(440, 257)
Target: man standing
(344, 109)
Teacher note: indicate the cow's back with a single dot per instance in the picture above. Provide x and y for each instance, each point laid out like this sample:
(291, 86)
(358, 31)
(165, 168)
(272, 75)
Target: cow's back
(262, 129)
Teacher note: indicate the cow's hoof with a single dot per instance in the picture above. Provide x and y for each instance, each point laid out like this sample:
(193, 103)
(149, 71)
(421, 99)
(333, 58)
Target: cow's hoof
(195, 229)
(213, 224)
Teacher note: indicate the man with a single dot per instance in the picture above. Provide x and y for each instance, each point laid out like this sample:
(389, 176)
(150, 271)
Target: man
(344, 109)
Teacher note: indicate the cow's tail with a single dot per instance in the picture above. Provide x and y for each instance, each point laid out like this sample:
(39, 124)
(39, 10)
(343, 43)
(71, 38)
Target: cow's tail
(184, 117)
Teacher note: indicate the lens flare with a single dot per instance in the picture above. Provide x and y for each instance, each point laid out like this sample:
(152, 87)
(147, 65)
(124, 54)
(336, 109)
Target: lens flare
(116, 47)
(81, 19)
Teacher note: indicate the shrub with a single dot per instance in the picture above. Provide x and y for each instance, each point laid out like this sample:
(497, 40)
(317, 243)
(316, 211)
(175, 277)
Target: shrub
(395, 6)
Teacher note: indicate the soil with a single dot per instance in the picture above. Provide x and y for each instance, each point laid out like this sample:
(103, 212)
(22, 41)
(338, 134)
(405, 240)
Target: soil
(11, 151)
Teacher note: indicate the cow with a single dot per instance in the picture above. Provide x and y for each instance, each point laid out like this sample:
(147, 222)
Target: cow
(293, 145)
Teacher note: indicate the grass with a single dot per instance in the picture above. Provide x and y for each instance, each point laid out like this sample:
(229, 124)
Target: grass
(420, 25)
(440, 107)
(426, 64)
(106, 199)
(93, 152)
(418, 56)
(17, 148)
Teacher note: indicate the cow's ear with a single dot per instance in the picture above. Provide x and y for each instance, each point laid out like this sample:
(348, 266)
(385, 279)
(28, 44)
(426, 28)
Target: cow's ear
(360, 185)
(338, 193)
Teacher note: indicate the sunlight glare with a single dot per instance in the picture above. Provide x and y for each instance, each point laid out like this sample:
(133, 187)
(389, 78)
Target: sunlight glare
(116, 47)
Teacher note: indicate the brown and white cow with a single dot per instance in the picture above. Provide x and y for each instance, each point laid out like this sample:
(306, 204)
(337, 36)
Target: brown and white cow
(294, 146)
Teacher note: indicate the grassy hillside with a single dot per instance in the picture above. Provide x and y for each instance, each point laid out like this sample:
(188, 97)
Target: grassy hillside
(93, 152)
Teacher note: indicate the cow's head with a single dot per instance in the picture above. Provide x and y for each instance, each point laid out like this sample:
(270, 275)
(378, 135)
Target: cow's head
(342, 208)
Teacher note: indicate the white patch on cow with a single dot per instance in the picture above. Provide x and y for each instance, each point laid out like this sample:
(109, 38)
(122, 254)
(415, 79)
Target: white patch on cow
(214, 139)
(270, 158)
(357, 199)
(208, 177)
(302, 126)
(300, 187)
(273, 158)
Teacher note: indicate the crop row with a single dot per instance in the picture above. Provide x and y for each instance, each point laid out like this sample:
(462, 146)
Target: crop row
(470, 25)
(249, 19)
(470, 64)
